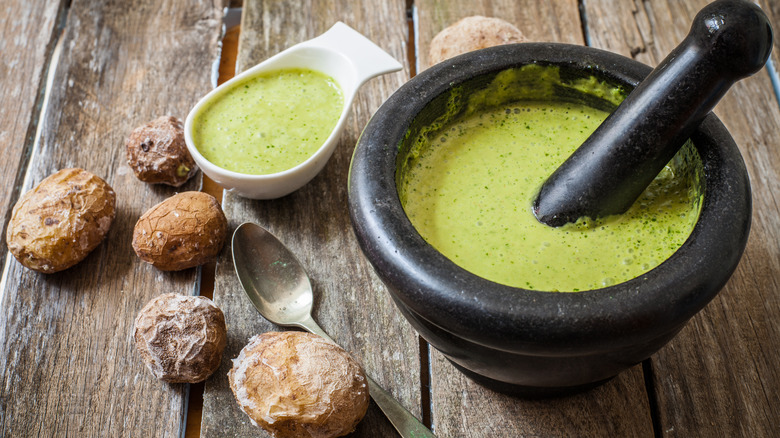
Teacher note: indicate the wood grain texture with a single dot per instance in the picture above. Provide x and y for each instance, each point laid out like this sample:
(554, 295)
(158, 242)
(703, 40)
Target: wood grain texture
(720, 376)
(68, 364)
(461, 408)
(350, 302)
(26, 56)
(556, 21)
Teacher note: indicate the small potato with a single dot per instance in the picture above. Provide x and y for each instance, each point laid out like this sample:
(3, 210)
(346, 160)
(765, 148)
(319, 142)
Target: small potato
(472, 33)
(180, 338)
(157, 152)
(296, 384)
(60, 221)
(186, 230)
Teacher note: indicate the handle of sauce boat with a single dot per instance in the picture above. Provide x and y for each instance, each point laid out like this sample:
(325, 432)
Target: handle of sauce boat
(367, 59)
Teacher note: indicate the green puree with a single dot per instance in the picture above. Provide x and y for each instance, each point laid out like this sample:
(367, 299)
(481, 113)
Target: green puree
(468, 191)
(269, 123)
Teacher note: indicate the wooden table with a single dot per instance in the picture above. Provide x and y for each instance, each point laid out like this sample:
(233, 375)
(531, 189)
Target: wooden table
(79, 75)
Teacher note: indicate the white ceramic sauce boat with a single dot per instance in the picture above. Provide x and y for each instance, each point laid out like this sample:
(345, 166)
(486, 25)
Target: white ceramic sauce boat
(341, 53)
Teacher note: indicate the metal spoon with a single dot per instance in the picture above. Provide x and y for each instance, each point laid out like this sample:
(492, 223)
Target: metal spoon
(278, 286)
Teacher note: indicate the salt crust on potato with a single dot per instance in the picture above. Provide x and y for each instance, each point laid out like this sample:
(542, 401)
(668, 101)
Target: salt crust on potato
(186, 230)
(296, 384)
(60, 221)
(472, 33)
(180, 338)
(158, 154)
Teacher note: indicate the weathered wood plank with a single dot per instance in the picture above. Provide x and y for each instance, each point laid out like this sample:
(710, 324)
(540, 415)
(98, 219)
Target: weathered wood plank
(462, 408)
(350, 302)
(719, 377)
(32, 32)
(557, 21)
(69, 366)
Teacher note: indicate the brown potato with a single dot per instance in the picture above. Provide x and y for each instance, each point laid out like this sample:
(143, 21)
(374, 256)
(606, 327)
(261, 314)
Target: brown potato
(296, 384)
(472, 33)
(157, 152)
(57, 223)
(186, 230)
(181, 338)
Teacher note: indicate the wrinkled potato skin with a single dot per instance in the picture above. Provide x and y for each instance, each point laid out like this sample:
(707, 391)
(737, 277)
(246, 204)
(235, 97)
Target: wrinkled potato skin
(57, 223)
(472, 33)
(298, 385)
(185, 230)
(158, 154)
(180, 338)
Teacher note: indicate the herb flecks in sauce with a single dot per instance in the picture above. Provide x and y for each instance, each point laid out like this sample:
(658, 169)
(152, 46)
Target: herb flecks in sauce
(468, 186)
(270, 122)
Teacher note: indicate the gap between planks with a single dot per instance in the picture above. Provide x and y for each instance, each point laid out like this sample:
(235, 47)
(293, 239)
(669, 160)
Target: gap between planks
(226, 71)
(227, 68)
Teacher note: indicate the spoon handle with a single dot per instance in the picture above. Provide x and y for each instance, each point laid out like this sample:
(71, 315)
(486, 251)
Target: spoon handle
(407, 425)
(404, 422)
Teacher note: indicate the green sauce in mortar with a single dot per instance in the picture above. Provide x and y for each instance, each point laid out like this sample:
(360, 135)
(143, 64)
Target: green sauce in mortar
(270, 122)
(468, 186)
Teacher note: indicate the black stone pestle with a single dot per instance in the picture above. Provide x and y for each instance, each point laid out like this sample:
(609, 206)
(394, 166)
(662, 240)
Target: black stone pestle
(729, 40)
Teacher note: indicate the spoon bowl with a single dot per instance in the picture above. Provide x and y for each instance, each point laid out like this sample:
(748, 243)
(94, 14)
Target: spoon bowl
(287, 295)
(280, 290)
(340, 53)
